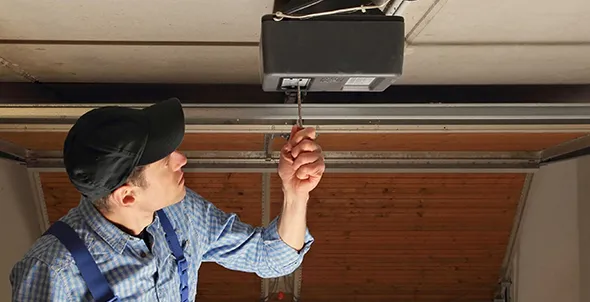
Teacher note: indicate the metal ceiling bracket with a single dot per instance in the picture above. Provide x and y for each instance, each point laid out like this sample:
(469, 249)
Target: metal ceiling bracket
(294, 96)
(503, 294)
(268, 139)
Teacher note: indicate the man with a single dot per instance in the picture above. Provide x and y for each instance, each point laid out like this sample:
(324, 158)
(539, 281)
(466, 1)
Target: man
(138, 234)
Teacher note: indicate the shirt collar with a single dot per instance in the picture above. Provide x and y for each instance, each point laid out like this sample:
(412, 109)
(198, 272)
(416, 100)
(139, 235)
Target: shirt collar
(110, 233)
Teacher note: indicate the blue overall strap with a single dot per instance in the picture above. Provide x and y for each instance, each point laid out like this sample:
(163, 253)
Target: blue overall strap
(96, 282)
(174, 245)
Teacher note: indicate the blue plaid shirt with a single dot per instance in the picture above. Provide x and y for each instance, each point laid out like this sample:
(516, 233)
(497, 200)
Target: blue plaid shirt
(48, 272)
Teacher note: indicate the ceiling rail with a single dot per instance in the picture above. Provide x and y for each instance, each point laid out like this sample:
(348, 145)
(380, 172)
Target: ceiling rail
(340, 162)
(331, 118)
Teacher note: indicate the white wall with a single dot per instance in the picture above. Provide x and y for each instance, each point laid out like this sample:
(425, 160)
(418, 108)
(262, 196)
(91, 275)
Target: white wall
(19, 226)
(552, 257)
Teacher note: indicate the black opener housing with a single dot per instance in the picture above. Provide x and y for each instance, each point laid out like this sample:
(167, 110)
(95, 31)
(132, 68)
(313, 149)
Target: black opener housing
(345, 52)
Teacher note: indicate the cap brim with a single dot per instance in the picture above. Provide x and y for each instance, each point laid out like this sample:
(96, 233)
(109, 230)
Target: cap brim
(166, 130)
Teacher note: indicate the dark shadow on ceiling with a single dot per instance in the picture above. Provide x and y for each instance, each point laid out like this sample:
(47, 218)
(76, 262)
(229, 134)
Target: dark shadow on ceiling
(29, 93)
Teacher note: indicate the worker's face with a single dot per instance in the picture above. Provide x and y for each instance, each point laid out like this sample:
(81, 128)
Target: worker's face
(165, 183)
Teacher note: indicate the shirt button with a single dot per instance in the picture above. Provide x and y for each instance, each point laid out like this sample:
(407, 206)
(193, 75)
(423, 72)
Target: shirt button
(143, 255)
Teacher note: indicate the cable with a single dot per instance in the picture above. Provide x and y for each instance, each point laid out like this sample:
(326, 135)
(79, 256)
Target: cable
(280, 15)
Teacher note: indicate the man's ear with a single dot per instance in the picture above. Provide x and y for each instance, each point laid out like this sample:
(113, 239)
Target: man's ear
(123, 196)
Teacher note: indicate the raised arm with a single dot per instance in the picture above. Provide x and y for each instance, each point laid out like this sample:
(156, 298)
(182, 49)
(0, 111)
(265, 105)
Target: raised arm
(301, 167)
(278, 249)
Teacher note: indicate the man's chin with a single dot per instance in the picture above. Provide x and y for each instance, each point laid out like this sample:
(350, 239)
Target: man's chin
(181, 196)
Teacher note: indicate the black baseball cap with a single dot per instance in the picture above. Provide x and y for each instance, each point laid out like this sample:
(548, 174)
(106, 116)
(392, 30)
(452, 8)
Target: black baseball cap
(106, 144)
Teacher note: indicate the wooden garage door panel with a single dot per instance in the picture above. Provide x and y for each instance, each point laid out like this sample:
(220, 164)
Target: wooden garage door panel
(48, 141)
(465, 297)
(422, 237)
(237, 193)
(218, 284)
(233, 193)
(407, 237)
(439, 141)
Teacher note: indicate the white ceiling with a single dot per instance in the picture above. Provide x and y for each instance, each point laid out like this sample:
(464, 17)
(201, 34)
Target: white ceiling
(170, 64)
(509, 21)
(138, 20)
(450, 41)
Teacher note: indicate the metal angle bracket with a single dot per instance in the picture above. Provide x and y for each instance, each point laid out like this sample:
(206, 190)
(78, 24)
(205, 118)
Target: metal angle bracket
(504, 292)
(290, 98)
(268, 139)
(295, 96)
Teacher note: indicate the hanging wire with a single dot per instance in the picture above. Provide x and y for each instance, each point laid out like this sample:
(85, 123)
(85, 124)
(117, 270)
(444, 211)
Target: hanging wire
(363, 8)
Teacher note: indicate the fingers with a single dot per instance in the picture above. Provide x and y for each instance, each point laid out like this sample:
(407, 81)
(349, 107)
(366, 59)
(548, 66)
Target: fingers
(289, 145)
(297, 135)
(301, 140)
(297, 158)
(303, 153)
(306, 145)
(286, 154)
(306, 158)
(315, 169)
(294, 129)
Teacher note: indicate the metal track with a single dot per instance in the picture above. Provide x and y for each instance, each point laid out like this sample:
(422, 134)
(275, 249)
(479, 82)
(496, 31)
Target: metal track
(567, 150)
(341, 162)
(516, 228)
(267, 118)
(39, 198)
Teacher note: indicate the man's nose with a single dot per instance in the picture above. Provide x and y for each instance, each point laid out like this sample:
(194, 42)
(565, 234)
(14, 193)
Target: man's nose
(179, 160)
